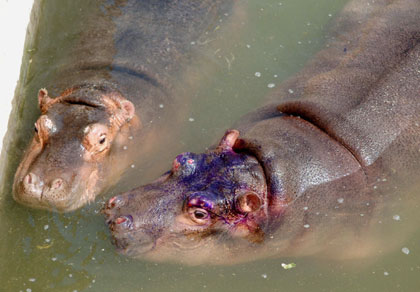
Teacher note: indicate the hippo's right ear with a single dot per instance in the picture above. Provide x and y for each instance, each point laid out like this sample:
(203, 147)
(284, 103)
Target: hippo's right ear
(44, 101)
(248, 201)
(228, 140)
(122, 109)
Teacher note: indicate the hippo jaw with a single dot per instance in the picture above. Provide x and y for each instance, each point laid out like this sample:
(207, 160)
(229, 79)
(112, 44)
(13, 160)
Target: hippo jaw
(75, 139)
(207, 204)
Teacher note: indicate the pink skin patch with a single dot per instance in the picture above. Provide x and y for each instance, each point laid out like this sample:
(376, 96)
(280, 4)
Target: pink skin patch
(120, 220)
(175, 165)
(190, 161)
(112, 200)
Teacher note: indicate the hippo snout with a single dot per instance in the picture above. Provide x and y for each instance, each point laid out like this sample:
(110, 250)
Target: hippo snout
(34, 190)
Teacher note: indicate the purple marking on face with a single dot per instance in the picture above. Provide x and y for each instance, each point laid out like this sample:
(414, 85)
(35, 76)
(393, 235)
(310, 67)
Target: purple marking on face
(184, 164)
(200, 200)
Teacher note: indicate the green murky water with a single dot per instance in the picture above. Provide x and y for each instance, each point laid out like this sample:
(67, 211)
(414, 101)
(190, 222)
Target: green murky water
(43, 251)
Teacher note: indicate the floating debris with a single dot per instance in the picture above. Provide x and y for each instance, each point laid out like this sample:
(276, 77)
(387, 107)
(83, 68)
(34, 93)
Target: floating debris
(396, 217)
(191, 119)
(288, 266)
(340, 200)
(405, 250)
(271, 85)
(264, 276)
(257, 74)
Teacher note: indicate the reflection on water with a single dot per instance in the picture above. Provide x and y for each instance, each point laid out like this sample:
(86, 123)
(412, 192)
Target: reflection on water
(43, 251)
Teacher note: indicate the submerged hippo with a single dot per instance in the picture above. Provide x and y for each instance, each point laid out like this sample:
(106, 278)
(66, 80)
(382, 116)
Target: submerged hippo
(114, 87)
(307, 175)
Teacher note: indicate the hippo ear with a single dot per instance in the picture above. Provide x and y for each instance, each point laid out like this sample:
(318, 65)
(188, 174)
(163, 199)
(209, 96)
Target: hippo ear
(122, 109)
(228, 140)
(44, 100)
(248, 202)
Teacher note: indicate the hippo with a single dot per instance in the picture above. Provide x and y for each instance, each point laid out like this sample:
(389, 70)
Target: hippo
(113, 90)
(310, 173)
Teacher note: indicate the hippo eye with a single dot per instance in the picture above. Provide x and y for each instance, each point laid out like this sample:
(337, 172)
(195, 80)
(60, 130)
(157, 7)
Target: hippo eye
(199, 215)
(102, 139)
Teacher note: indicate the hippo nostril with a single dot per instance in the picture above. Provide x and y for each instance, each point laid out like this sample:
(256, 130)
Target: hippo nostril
(120, 220)
(116, 201)
(57, 184)
(30, 179)
(124, 222)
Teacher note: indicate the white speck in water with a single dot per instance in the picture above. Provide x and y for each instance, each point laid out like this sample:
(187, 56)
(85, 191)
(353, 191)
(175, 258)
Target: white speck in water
(306, 225)
(375, 187)
(130, 138)
(132, 165)
(271, 236)
(161, 105)
(329, 15)
(367, 204)
(281, 46)
(264, 276)
(125, 147)
(70, 275)
(275, 75)
(291, 91)
(248, 46)
(405, 250)
(31, 279)
(299, 42)
(74, 290)
(271, 85)
(46, 227)
(280, 4)
(340, 200)
(384, 179)
(361, 215)
(192, 43)
(396, 217)
(47, 240)
(191, 119)
(308, 23)
(29, 290)
(257, 74)
(54, 259)
(305, 208)
(386, 273)
(93, 281)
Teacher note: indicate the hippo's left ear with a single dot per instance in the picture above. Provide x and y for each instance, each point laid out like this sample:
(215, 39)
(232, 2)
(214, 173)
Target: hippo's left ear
(228, 140)
(44, 101)
(121, 109)
(248, 201)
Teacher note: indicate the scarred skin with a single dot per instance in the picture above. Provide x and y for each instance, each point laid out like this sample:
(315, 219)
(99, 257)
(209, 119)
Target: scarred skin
(312, 173)
(111, 94)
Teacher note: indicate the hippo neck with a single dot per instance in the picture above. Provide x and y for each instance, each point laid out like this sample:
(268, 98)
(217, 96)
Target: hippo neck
(296, 157)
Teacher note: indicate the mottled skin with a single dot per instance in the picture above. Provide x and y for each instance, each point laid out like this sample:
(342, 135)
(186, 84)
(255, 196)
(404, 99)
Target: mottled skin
(309, 174)
(124, 61)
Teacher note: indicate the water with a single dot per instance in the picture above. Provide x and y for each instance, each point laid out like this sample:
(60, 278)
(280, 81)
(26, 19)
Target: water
(42, 251)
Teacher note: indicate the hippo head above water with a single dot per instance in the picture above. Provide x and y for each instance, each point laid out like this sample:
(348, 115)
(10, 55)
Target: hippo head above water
(64, 166)
(215, 199)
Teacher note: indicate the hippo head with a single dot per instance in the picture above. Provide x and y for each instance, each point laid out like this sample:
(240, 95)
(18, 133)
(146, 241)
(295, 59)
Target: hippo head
(207, 204)
(76, 136)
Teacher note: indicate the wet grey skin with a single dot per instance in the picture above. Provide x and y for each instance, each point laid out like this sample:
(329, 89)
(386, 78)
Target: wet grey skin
(123, 61)
(309, 174)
